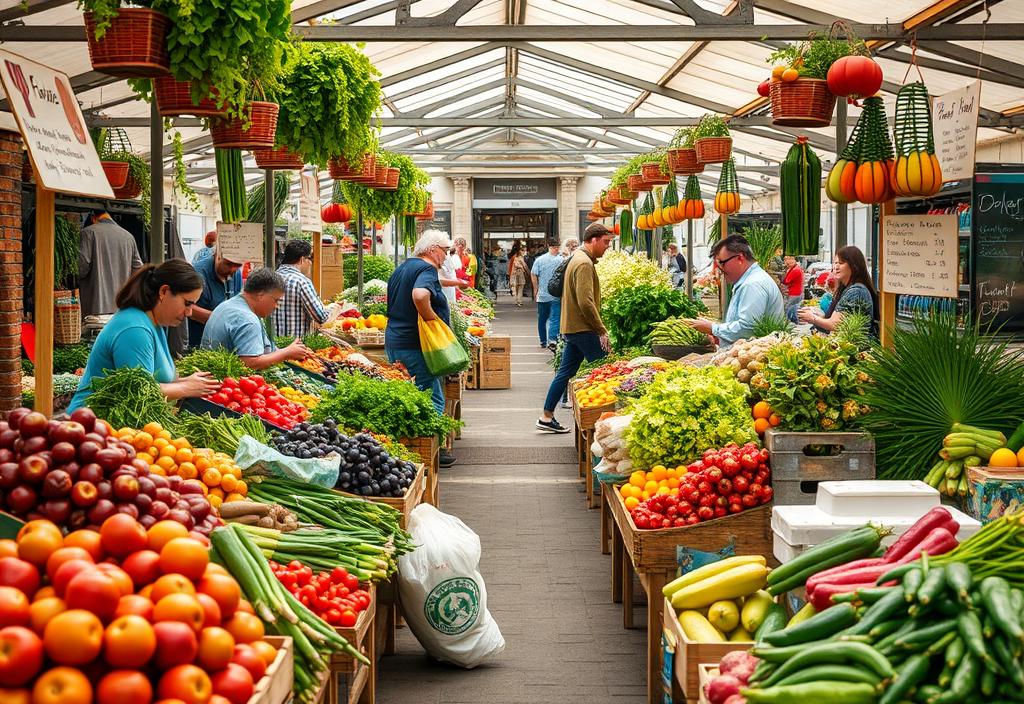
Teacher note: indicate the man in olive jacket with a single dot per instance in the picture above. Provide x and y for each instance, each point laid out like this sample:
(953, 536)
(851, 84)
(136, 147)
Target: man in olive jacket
(584, 333)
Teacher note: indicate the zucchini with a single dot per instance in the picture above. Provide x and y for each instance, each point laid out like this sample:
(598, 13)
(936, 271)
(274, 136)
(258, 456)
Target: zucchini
(1016, 440)
(913, 671)
(774, 620)
(731, 584)
(710, 570)
(835, 653)
(699, 629)
(851, 545)
(822, 691)
(818, 627)
(834, 673)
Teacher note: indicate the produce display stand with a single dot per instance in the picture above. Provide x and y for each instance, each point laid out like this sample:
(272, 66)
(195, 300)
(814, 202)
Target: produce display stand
(430, 453)
(473, 373)
(452, 409)
(199, 406)
(354, 682)
(387, 618)
(453, 388)
(413, 496)
(370, 338)
(651, 555)
(692, 655)
(585, 419)
(275, 687)
(311, 374)
(796, 474)
(325, 693)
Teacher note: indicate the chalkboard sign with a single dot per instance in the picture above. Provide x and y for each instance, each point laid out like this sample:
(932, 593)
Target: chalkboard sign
(998, 215)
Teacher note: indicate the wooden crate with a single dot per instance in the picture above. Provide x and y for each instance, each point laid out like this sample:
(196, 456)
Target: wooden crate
(386, 619)
(357, 687)
(275, 687)
(370, 338)
(495, 362)
(430, 453)
(452, 409)
(496, 345)
(355, 682)
(325, 695)
(706, 672)
(795, 474)
(496, 379)
(453, 386)
(690, 655)
(587, 417)
(413, 496)
(473, 373)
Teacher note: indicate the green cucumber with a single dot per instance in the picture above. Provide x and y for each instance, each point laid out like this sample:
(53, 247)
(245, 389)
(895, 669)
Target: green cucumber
(912, 581)
(774, 620)
(995, 593)
(821, 691)
(954, 652)
(913, 671)
(923, 637)
(822, 625)
(1016, 440)
(835, 673)
(888, 607)
(846, 547)
(965, 681)
(932, 586)
(959, 577)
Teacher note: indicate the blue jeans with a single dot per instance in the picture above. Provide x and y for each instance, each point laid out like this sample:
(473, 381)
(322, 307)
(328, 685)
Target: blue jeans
(549, 314)
(578, 346)
(792, 306)
(417, 367)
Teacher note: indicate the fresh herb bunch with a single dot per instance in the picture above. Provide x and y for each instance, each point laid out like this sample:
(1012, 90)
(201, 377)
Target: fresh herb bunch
(379, 205)
(129, 398)
(765, 241)
(813, 58)
(221, 434)
(630, 313)
(618, 270)
(67, 242)
(396, 408)
(933, 376)
(375, 308)
(256, 198)
(375, 266)
(685, 411)
(814, 384)
(70, 358)
(219, 362)
(711, 125)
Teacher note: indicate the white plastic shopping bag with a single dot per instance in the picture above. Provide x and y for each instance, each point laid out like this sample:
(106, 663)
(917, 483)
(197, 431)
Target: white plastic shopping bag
(443, 596)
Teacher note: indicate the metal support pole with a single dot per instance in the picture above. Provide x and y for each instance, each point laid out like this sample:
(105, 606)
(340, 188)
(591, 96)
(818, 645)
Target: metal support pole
(689, 258)
(373, 238)
(359, 258)
(841, 224)
(156, 185)
(394, 237)
(268, 220)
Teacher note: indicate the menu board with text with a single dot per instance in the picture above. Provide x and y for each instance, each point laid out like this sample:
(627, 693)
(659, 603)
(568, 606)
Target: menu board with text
(241, 242)
(998, 221)
(955, 125)
(920, 255)
(309, 204)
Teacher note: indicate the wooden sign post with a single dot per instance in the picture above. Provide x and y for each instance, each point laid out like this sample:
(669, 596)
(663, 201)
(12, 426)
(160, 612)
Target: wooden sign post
(64, 158)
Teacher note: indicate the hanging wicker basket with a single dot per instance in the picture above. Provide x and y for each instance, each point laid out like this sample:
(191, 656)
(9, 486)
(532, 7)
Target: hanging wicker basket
(234, 133)
(131, 189)
(134, 45)
(339, 168)
(616, 196)
(683, 161)
(174, 98)
(279, 158)
(67, 323)
(380, 179)
(653, 174)
(428, 211)
(394, 174)
(805, 102)
(713, 150)
(116, 172)
(637, 184)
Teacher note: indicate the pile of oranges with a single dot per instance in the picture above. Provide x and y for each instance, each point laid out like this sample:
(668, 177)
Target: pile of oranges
(764, 417)
(644, 485)
(170, 456)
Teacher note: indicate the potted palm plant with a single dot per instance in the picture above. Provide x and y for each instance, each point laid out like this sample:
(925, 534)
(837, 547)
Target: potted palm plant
(130, 42)
(682, 155)
(711, 140)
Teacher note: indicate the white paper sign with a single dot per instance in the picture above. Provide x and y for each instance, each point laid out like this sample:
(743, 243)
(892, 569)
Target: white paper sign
(920, 255)
(955, 124)
(241, 242)
(53, 128)
(309, 204)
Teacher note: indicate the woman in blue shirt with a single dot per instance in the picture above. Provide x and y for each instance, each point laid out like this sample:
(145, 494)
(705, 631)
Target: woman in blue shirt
(153, 299)
(855, 292)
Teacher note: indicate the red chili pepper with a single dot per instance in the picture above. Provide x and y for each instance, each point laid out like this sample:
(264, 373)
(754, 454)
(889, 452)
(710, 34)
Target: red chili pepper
(822, 595)
(918, 532)
(938, 542)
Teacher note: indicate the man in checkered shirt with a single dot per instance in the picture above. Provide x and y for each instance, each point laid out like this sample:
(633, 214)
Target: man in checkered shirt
(301, 306)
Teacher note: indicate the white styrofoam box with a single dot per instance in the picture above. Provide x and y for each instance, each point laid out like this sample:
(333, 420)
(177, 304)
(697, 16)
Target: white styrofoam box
(809, 525)
(878, 498)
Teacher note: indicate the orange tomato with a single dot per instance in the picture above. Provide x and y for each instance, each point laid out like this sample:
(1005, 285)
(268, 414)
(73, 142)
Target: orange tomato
(8, 548)
(180, 607)
(42, 610)
(88, 540)
(216, 646)
(135, 604)
(37, 540)
(185, 556)
(265, 651)
(44, 593)
(211, 477)
(73, 637)
(244, 627)
(129, 642)
(171, 584)
(62, 685)
(224, 590)
(124, 687)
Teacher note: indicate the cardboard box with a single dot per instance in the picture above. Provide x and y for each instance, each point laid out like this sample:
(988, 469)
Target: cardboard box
(332, 282)
(496, 379)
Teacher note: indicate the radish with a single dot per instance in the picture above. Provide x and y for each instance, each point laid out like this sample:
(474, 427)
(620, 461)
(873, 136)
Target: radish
(722, 688)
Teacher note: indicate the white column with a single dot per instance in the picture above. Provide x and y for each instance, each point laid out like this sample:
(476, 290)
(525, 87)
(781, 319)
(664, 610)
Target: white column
(568, 217)
(462, 208)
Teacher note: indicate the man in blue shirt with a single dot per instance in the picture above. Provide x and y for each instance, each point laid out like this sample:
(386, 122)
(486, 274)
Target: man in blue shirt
(210, 246)
(414, 291)
(237, 324)
(549, 308)
(222, 279)
(754, 295)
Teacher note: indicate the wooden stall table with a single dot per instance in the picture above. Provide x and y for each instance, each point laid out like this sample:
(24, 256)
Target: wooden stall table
(651, 555)
(585, 419)
(412, 498)
(355, 682)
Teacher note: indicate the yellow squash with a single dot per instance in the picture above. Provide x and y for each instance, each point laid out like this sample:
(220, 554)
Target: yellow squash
(731, 584)
(697, 628)
(710, 570)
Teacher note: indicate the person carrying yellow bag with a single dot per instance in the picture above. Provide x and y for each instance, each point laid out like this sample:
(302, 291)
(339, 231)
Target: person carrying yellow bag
(441, 351)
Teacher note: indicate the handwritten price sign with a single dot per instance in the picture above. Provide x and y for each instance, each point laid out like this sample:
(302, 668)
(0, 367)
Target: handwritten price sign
(920, 255)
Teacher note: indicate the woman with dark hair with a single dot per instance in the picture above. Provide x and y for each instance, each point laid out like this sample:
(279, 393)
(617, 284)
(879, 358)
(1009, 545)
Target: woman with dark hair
(855, 292)
(517, 271)
(153, 299)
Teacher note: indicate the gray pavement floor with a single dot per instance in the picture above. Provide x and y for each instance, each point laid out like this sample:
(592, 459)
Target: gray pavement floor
(548, 585)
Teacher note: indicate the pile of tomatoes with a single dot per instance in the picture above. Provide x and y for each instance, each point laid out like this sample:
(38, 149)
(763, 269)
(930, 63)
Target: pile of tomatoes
(334, 596)
(606, 372)
(252, 394)
(123, 616)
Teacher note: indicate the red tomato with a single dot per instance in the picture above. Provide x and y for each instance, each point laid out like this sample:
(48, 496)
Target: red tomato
(143, 567)
(176, 644)
(14, 607)
(17, 573)
(21, 656)
(348, 619)
(187, 683)
(124, 687)
(246, 656)
(61, 555)
(135, 604)
(122, 535)
(93, 591)
(234, 683)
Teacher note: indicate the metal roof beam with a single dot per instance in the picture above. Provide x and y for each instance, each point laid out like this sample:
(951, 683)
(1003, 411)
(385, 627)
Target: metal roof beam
(575, 100)
(893, 54)
(548, 138)
(30, 7)
(425, 110)
(439, 63)
(446, 80)
(424, 138)
(448, 18)
(319, 9)
(468, 110)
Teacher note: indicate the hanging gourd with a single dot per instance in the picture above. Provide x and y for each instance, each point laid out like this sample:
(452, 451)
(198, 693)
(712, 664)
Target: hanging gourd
(875, 159)
(800, 193)
(727, 199)
(670, 204)
(854, 77)
(916, 171)
(839, 187)
(693, 205)
(645, 222)
(657, 213)
(626, 227)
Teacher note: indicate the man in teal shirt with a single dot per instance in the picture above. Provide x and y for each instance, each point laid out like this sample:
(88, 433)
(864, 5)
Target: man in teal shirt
(754, 294)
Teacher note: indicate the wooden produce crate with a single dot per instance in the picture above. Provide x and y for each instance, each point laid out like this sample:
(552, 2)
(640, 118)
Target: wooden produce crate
(796, 474)
(452, 409)
(275, 687)
(496, 345)
(707, 672)
(413, 496)
(354, 681)
(473, 373)
(430, 453)
(691, 654)
(586, 417)
(496, 379)
(326, 692)
(370, 338)
(453, 386)
(651, 556)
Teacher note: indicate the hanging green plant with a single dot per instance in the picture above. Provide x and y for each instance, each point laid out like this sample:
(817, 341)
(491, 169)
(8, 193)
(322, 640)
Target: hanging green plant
(814, 57)
(378, 205)
(683, 138)
(179, 178)
(632, 166)
(112, 144)
(710, 125)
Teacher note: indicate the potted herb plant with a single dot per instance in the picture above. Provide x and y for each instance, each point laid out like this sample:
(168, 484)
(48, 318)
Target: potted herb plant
(682, 155)
(711, 140)
(118, 158)
(130, 42)
(799, 89)
(655, 168)
(408, 197)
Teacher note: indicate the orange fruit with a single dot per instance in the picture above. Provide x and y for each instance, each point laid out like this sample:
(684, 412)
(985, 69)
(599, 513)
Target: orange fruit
(166, 463)
(1020, 462)
(762, 410)
(142, 440)
(215, 501)
(160, 443)
(624, 490)
(241, 487)
(201, 461)
(761, 425)
(777, 72)
(165, 434)
(182, 443)
(234, 497)
(774, 420)
(228, 482)
(184, 454)
(188, 471)
(631, 503)
(156, 469)
(169, 451)
(211, 477)
(152, 428)
(790, 75)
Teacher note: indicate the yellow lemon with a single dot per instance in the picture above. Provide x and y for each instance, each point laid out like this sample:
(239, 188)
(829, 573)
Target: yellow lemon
(1003, 457)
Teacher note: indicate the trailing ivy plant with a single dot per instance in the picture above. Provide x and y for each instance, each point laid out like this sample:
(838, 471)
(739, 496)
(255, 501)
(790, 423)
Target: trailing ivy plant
(178, 172)
(711, 126)
(682, 139)
(632, 166)
(378, 205)
(113, 145)
(104, 11)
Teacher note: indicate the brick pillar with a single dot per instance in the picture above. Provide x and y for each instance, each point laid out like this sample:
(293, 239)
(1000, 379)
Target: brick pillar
(11, 276)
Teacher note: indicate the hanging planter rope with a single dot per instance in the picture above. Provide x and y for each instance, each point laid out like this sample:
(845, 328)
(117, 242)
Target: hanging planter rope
(727, 199)
(840, 186)
(693, 203)
(875, 160)
(916, 171)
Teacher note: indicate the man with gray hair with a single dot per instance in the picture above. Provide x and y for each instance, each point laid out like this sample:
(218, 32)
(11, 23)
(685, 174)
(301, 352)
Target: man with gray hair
(414, 291)
(754, 295)
(237, 323)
